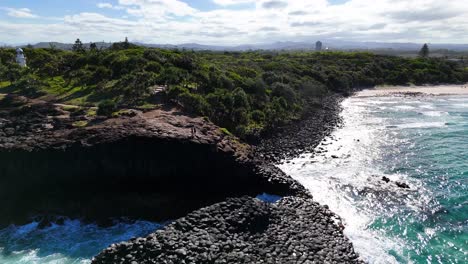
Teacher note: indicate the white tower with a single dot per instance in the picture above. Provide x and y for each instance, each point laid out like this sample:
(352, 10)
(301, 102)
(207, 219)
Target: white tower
(20, 58)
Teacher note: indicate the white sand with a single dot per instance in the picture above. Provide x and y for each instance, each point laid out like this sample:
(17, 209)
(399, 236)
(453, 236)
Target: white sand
(433, 90)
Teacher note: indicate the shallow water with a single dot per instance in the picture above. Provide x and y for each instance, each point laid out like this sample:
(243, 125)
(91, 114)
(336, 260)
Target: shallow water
(67, 243)
(419, 141)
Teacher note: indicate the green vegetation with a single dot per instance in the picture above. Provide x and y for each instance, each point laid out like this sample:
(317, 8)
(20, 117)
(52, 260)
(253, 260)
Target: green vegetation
(106, 108)
(424, 52)
(245, 92)
(225, 131)
(80, 123)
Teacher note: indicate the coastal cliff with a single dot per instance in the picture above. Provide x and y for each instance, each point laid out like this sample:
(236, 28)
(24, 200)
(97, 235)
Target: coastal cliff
(162, 165)
(148, 165)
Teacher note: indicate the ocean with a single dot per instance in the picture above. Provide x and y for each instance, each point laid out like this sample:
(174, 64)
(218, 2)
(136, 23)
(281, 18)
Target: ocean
(420, 141)
(72, 242)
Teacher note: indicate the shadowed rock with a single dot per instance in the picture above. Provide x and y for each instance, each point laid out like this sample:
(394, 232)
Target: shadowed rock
(147, 166)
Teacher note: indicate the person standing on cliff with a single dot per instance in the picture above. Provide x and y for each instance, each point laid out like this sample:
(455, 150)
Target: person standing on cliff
(194, 131)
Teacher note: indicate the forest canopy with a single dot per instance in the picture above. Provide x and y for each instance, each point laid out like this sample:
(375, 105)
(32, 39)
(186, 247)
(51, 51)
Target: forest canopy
(245, 92)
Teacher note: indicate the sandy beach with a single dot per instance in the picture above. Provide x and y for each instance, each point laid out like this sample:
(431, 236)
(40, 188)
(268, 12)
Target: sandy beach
(430, 90)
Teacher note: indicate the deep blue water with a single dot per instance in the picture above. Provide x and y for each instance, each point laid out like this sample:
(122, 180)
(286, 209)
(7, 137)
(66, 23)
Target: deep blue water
(71, 242)
(422, 141)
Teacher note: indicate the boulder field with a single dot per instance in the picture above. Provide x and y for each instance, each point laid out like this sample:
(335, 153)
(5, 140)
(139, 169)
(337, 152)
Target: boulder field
(243, 230)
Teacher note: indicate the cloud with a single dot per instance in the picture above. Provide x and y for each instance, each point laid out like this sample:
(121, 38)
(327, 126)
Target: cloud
(305, 24)
(268, 29)
(177, 21)
(274, 4)
(105, 5)
(153, 9)
(232, 2)
(20, 12)
(297, 13)
(110, 6)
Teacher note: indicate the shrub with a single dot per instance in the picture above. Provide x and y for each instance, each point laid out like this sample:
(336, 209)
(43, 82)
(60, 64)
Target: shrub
(106, 108)
(258, 116)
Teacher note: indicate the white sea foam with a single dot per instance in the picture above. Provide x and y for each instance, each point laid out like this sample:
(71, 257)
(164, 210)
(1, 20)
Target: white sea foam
(347, 176)
(336, 182)
(423, 125)
(426, 106)
(405, 107)
(434, 113)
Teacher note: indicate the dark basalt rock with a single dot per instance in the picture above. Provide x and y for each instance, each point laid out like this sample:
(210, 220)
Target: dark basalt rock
(402, 185)
(243, 230)
(146, 166)
(303, 135)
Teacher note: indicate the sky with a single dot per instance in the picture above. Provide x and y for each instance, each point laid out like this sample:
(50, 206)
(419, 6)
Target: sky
(233, 22)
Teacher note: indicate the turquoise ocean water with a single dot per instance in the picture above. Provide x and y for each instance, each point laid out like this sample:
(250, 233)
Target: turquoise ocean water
(422, 141)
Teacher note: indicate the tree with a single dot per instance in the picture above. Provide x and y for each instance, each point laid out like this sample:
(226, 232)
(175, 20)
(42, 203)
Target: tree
(424, 52)
(78, 46)
(126, 44)
(93, 47)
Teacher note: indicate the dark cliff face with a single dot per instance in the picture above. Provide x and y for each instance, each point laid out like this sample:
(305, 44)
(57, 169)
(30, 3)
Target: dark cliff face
(134, 177)
(146, 167)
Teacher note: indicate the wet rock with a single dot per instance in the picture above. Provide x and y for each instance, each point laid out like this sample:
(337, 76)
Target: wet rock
(402, 185)
(385, 179)
(243, 230)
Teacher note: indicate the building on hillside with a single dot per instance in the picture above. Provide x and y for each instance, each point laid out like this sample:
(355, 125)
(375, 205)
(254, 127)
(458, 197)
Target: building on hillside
(20, 58)
(318, 46)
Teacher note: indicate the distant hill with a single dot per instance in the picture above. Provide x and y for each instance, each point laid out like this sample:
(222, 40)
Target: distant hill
(66, 46)
(287, 45)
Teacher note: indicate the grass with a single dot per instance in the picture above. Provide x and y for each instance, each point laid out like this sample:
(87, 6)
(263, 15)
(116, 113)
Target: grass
(5, 84)
(80, 123)
(120, 112)
(71, 108)
(148, 106)
(92, 112)
(225, 131)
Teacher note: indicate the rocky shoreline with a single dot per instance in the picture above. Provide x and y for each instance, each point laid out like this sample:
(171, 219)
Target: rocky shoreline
(319, 120)
(150, 165)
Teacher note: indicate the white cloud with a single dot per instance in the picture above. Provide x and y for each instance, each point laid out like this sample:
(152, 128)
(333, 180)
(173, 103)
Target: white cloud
(174, 21)
(20, 12)
(232, 2)
(105, 5)
(156, 8)
(110, 6)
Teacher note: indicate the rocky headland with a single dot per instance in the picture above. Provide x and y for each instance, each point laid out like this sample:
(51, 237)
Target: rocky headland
(138, 164)
(162, 165)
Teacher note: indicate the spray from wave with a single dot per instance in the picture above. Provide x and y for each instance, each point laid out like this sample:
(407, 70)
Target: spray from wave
(387, 224)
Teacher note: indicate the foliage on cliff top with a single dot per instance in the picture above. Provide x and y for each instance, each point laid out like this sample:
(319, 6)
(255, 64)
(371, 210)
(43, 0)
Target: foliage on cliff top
(245, 92)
